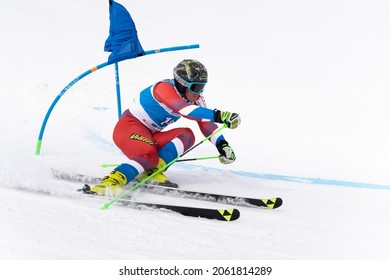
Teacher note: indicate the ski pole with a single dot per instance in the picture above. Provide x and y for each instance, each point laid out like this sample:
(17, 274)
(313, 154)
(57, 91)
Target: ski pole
(108, 204)
(193, 159)
(105, 165)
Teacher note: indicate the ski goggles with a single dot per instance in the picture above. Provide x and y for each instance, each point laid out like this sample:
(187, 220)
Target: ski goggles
(196, 87)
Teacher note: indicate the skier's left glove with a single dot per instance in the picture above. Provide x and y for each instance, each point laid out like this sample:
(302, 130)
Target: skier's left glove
(227, 155)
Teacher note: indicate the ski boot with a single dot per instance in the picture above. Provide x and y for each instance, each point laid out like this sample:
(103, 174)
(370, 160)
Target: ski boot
(110, 185)
(159, 179)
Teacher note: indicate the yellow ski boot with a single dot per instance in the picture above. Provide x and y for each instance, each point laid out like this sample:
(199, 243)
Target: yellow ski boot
(158, 179)
(110, 185)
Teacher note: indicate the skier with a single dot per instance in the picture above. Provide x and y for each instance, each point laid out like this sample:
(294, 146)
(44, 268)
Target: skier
(140, 133)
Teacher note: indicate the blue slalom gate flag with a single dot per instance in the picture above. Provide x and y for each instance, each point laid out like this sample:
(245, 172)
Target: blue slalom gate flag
(122, 41)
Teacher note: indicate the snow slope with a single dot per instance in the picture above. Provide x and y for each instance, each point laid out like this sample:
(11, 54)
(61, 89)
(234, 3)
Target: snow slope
(309, 78)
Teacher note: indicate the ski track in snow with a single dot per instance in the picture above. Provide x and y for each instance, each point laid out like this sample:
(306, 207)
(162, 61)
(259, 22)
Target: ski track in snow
(326, 222)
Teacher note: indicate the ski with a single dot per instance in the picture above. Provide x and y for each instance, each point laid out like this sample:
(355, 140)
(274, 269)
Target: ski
(270, 203)
(226, 215)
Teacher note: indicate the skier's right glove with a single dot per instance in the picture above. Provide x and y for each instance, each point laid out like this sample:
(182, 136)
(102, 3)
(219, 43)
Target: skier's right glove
(227, 155)
(232, 120)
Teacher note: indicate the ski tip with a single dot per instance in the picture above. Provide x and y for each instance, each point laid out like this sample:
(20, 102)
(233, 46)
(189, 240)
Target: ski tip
(273, 202)
(235, 215)
(229, 214)
(278, 202)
